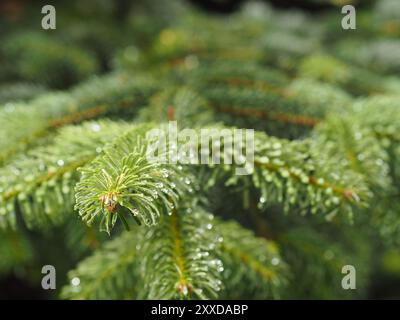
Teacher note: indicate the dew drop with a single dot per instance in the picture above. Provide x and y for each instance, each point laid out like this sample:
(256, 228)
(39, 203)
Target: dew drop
(275, 261)
(60, 162)
(96, 127)
(75, 281)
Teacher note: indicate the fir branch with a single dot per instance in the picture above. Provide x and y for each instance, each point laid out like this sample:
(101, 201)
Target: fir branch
(97, 97)
(41, 182)
(356, 146)
(293, 119)
(254, 268)
(295, 175)
(81, 239)
(47, 60)
(15, 250)
(110, 273)
(181, 104)
(248, 74)
(349, 77)
(18, 92)
(122, 181)
(180, 258)
(321, 254)
(290, 173)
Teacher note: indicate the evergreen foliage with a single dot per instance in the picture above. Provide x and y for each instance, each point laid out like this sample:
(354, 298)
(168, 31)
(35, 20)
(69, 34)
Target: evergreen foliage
(325, 186)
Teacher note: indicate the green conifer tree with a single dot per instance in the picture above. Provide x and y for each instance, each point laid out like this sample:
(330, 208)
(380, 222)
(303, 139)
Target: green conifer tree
(77, 190)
